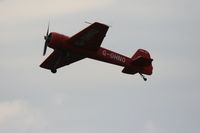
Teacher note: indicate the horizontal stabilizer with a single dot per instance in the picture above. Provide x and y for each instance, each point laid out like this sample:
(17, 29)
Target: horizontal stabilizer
(141, 61)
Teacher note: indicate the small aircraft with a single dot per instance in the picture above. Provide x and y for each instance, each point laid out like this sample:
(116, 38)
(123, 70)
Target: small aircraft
(86, 44)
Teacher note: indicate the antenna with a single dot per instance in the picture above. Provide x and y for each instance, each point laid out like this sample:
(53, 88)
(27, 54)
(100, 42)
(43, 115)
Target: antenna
(87, 22)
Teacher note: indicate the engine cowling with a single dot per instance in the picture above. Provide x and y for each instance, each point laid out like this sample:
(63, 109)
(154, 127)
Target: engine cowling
(56, 40)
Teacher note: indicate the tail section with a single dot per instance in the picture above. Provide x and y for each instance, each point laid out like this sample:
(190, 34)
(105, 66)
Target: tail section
(143, 59)
(141, 63)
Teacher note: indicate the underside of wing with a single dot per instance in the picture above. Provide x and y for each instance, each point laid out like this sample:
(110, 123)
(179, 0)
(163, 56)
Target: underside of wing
(59, 59)
(91, 37)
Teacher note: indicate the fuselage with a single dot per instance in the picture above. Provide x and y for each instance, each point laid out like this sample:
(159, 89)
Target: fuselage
(60, 42)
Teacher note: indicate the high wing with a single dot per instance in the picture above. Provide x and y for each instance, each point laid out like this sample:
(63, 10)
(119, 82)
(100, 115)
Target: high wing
(89, 38)
(58, 59)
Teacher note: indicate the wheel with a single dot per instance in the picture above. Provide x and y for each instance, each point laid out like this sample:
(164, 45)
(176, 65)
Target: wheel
(53, 70)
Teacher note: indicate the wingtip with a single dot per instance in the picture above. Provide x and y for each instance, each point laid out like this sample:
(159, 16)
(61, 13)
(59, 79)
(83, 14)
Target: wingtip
(102, 24)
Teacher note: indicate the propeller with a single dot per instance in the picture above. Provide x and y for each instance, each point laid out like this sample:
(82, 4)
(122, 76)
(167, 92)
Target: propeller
(46, 38)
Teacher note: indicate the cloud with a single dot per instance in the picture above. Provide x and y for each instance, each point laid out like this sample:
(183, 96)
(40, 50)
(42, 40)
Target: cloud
(156, 9)
(26, 10)
(20, 116)
(9, 110)
(151, 127)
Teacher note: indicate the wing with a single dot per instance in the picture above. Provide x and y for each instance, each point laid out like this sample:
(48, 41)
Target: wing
(58, 59)
(91, 37)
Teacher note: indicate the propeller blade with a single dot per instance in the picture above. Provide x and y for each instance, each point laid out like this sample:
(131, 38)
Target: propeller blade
(45, 49)
(47, 31)
(46, 42)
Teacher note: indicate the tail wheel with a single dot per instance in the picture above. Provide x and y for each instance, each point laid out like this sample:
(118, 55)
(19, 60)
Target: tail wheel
(53, 70)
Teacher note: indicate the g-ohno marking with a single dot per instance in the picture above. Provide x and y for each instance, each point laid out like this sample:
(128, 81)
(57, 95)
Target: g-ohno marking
(114, 56)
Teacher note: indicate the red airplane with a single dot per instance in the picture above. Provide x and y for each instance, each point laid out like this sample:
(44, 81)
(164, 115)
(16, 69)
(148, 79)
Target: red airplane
(86, 44)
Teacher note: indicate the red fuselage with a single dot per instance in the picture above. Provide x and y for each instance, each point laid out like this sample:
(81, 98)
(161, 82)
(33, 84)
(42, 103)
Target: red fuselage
(59, 42)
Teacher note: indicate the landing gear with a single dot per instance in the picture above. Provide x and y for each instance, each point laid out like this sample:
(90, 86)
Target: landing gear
(53, 70)
(145, 79)
(57, 61)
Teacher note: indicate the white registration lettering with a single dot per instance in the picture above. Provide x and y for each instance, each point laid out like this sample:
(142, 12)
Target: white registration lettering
(117, 57)
(114, 56)
(104, 52)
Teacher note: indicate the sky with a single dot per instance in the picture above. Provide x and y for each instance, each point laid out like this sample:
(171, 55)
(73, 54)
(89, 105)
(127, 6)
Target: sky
(95, 97)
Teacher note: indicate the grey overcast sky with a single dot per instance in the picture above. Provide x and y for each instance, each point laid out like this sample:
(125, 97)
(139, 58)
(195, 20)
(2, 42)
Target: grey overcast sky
(95, 97)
